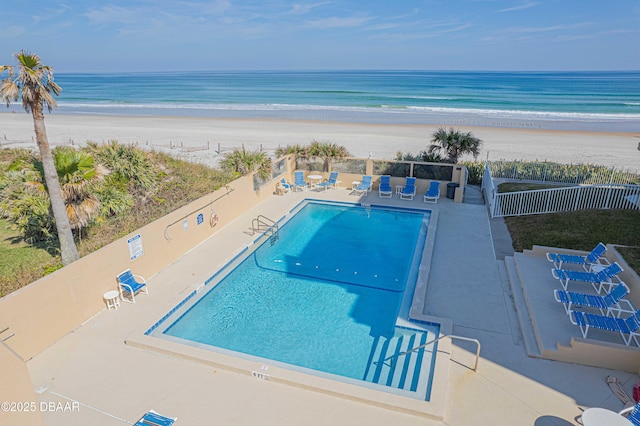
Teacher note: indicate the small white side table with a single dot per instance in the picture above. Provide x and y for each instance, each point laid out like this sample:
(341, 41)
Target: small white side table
(600, 416)
(399, 189)
(112, 297)
(355, 184)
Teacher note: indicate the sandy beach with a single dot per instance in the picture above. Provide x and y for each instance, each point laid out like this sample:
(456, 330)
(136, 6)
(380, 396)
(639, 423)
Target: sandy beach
(197, 139)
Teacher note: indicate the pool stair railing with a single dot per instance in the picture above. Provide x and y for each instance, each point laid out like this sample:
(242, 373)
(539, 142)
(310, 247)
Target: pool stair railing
(431, 342)
(403, 375)
(269, 227)
(397, 362)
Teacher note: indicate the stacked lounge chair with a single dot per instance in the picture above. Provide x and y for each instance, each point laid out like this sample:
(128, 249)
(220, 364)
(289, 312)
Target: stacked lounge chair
(587, 262)
(627, 327)
(607, 304)
(597, 279)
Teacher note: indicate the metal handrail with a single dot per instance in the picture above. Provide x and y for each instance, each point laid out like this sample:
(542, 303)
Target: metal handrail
(166, 229)
(9, 336)
(261, 219)
(417, 348)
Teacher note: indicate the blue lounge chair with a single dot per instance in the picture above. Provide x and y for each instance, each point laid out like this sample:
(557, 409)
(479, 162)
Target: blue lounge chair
(597, 279)
(593, 258)
(633, 414)
(288, 187)
(385, 191)
(628, 327)
(130, 285)
(154, 419)
(364, 186)
(433, 193)
(607, 304)
(299, 182)
(409, 189)
(332, 181)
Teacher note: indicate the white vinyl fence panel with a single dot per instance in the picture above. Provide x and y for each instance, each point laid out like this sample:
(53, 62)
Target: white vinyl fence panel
(565, 199)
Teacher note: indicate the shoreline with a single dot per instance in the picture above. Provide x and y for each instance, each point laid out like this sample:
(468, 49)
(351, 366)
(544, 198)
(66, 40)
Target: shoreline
(197, 138)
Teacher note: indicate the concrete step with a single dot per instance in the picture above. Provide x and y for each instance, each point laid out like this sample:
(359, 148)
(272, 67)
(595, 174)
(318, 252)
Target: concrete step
(389, 368)
(527, 326)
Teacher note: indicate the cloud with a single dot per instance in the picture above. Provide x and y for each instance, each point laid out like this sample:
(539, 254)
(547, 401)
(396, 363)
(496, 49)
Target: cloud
(433, 30)
(336, 22)
(112, 14)
(51, 14)
(552, 28)
(520, 7)
(301, 9)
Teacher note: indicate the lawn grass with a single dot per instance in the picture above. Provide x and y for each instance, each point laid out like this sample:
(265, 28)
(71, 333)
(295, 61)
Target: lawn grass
(21, 262)
(580, 230)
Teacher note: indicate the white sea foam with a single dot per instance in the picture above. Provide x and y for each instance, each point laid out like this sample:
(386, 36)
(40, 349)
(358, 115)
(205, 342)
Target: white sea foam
(387, 109)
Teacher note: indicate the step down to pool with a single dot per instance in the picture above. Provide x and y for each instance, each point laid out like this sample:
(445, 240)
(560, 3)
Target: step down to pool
(389, 365)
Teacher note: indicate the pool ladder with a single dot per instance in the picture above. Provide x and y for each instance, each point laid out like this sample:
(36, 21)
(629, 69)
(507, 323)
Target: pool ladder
(267, 226)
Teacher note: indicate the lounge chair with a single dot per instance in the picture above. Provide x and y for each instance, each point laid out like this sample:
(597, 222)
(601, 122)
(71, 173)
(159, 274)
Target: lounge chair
(299, 182)
(287, 186)
(593, 258)
(332, 181)
(130, 285)
(364, 186)
(597, 279)
(154, 419)
(409, 189)
(628, 327)
(633, 413)
(385, 191)
(433, 193)
(607, 304)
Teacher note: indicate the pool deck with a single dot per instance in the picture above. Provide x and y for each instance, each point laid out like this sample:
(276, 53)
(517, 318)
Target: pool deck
(115, 383)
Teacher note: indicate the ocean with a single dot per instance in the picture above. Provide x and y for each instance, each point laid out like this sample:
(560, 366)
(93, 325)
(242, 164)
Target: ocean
(593, 101)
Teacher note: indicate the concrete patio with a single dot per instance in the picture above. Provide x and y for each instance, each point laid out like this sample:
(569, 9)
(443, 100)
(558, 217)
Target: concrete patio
(112, 383)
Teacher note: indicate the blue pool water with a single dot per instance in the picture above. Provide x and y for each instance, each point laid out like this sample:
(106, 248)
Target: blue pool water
(325, 295)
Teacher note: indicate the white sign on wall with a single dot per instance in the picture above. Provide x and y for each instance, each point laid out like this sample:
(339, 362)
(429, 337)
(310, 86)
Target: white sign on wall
(135, 247)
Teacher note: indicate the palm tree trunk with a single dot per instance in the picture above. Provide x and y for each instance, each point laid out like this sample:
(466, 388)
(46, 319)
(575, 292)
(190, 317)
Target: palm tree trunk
(68, 249)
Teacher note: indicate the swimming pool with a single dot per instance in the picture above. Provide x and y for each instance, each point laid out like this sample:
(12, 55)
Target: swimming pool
(324, 294)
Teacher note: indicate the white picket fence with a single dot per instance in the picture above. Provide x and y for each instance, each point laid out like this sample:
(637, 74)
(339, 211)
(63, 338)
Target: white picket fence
(554, 200)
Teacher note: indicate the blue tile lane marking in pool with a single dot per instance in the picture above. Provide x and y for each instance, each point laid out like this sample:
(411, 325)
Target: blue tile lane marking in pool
(335, 313)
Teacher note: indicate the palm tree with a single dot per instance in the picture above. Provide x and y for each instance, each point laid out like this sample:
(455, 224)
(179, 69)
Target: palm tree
(243, 162)
(454, 143)
(34, 82)
(78, 172)
(297, 149)
(327, 151)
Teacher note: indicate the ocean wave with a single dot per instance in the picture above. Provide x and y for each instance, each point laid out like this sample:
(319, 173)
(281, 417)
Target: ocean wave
(385, 108)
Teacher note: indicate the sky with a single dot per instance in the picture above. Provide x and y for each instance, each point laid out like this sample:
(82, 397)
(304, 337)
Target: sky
(199, 35)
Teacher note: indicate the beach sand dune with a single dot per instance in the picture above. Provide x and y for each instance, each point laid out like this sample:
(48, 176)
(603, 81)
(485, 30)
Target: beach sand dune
(197, 139)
